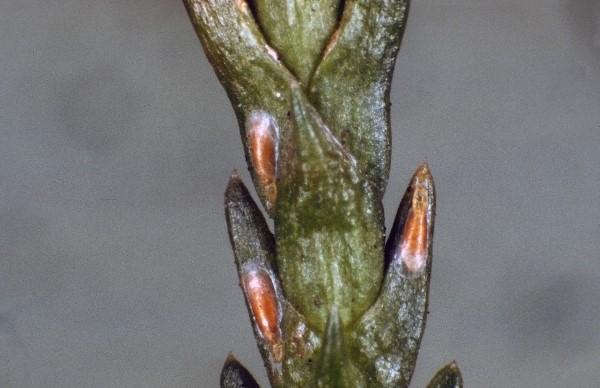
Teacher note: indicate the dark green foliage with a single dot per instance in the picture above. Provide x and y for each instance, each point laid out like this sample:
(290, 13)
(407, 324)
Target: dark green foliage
(351, 85)
(328, 224)
(254, 248)
(391, 349)
(253, 77)
(298, 30)
(331, 306)
(333, 371)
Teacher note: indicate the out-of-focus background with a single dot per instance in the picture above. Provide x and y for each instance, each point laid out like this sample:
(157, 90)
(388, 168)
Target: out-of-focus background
(116, 142)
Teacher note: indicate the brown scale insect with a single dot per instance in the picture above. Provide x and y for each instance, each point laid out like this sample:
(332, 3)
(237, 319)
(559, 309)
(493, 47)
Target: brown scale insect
(262, 136)
(411, 247)
(262, 300)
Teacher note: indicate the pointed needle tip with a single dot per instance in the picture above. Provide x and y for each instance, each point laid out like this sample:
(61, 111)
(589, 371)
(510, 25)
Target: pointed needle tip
(235, 188)
(231, 358)
(423, 170)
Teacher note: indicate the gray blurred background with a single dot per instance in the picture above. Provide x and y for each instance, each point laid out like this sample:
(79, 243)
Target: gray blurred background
(117, 141)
